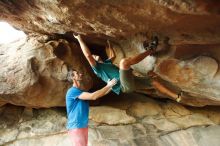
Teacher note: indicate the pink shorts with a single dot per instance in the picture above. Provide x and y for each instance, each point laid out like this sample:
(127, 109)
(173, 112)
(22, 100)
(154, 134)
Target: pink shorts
(79, 137)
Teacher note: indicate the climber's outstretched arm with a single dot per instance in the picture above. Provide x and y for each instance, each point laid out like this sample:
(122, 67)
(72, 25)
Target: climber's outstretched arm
(86, 50)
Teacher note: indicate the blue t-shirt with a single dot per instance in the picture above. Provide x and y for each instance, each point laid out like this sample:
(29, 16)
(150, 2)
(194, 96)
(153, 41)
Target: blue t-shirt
(107, 71)
(77, 109)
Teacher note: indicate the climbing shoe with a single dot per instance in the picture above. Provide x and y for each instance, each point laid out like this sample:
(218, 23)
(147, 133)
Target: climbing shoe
(179, 96)
(75, 34)
(151, 45)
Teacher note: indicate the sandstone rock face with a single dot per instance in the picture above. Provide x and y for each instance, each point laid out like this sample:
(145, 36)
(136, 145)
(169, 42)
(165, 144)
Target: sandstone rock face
(194, 69)
(33, 71)
(193, 136)
(156, 124)
(196, 76)
(33, 75)
(194, 21)
(190, 63)
(120, 116)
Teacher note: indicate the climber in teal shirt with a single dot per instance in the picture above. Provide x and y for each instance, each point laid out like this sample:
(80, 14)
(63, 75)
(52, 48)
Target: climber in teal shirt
(127, 82)
(106, 70)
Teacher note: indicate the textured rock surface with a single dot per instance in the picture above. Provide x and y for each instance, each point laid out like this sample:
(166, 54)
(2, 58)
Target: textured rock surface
(190, 64)
(195, 136)
(120, 116)
(32, 74)
(193, 69)
(184, 21)
(168, 124)
(33, 71)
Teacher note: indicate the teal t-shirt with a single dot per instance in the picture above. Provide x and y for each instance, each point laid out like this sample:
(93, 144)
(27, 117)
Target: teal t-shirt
(107, 71)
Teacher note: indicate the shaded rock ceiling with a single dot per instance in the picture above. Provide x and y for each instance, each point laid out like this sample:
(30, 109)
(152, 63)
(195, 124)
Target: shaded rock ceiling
(190, 64)
(195, 21)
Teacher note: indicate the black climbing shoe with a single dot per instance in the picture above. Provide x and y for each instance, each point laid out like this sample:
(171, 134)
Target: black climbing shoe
(179, 96)
(152, 45)
(75, 34)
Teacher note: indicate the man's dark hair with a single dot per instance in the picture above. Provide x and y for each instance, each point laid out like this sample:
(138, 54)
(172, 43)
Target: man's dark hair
(69, 76)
